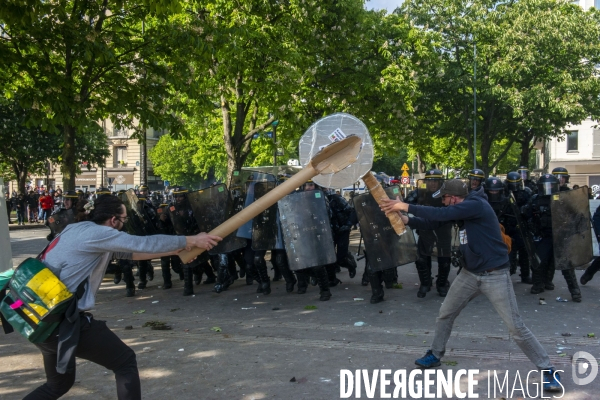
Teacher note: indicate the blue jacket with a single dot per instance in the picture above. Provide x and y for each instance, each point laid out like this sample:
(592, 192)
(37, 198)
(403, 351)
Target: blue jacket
(480, 239)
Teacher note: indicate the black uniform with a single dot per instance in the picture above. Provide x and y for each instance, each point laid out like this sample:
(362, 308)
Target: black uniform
(340, 214)
(539, 220)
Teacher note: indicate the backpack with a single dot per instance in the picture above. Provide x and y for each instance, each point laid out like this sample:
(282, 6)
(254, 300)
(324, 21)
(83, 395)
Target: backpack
(34, 301)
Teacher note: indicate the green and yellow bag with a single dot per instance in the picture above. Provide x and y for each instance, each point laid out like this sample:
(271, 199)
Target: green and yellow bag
(34, 301)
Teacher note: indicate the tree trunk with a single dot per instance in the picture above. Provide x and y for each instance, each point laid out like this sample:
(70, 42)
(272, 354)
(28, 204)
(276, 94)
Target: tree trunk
(525, 149)
(69, 167)
(21, 174)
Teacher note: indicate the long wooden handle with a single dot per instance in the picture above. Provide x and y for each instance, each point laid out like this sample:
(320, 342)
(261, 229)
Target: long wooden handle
(379, 194)
(266, 201)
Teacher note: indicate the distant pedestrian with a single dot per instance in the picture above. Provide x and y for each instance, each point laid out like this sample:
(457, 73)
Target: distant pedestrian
(19, 206)
(8, 206)
(46, 204)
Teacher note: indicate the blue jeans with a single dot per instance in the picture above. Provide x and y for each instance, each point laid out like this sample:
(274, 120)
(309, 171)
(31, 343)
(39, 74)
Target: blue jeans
(498, 288)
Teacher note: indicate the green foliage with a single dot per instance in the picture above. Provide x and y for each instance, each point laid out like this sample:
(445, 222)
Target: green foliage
(72, 62)
(27, 149)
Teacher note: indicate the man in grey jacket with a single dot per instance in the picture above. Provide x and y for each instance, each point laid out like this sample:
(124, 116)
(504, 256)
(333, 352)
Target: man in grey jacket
(80, 255)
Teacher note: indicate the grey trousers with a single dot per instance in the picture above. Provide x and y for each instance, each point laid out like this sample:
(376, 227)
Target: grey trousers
(498, 288)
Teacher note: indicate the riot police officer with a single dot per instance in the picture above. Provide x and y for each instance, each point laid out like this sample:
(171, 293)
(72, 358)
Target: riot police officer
(341, 224)
(147, 209)
(494, 190)
(562, 175)
(540, 222)
(428, 239)
(184, 223)
(528, 183)
(319, 272)
(476, 177)
(514, 186)
(595, 266)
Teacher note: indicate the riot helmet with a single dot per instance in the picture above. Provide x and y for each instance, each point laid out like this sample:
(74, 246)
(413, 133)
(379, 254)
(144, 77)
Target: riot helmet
(102, 191)
(476, 177)
(547, 185)
(70, 198)
(309, 185)
(562, 175)
(433, 180)
(180, 194)
(144, 191)
(524, 172)
(514, 181)
(494, 189)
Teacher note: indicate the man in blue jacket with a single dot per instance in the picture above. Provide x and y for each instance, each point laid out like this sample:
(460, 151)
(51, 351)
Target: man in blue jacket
(486, 270)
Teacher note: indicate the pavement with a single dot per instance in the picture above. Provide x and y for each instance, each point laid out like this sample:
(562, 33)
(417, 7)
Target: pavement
(244, 345)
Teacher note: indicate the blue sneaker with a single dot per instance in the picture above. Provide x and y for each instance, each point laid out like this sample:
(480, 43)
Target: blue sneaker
(551, 381)
(428, 360)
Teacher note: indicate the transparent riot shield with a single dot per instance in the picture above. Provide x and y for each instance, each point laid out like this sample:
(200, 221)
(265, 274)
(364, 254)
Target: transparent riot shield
(385, 248)
(211, 207)
(571, 230)
(264, 225)
(306, 230)
(244, 183)
(136, 223)
(60, 219)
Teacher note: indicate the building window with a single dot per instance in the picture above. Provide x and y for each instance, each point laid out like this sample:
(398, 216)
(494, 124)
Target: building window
(120, 158)
(572, 140)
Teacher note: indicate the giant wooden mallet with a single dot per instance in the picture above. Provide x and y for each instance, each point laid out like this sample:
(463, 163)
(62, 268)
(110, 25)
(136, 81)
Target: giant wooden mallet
(330, 160)
(379, 194)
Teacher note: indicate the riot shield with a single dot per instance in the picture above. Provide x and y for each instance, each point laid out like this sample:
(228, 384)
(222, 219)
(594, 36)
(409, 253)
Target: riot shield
(211, 207)
(150, 217)
(135, 224)
(571, 230)
(244, 183)
(60, 219)
(182, 218)
(264, 225)
(425, 191)
(385, 248)
(306, 230)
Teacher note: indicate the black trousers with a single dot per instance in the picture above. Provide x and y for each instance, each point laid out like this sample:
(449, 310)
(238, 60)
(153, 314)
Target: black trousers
(99, 345)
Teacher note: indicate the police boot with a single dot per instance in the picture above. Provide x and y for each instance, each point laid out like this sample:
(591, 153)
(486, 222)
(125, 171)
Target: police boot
(424, 272)
(537, 277)
(302, 281)
(224, 278)
(188, 280)
(590, 271)
(442, 284)
(350, 263)
(210, 274)
(129, 280)
(323, 282)
(263, 274)
(249, 273)
(276, 270)
(376, 287)
(333, 280)
(571, 279)
(150, 270)
(238, 256)
(166, 274)
(525, 278)
(279, 259)
(197, 272)
(177, 267)
(389, 278)
(142, 274)
(548, 285)
(118, 274)
(365, 277)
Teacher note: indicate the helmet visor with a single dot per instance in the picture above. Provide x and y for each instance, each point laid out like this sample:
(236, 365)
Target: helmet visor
(547, 188)
(524, 174)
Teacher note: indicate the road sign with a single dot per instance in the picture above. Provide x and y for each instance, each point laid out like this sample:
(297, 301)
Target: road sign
(405, 180)
(405, 167)
(110, 180)
(405, 173)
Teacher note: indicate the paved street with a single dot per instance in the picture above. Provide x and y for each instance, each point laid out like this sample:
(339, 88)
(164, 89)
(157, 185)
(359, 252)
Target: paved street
(243, 345)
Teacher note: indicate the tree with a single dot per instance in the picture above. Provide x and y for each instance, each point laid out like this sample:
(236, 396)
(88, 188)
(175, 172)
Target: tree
(27, 149)
(78, 61)
(532, 78)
